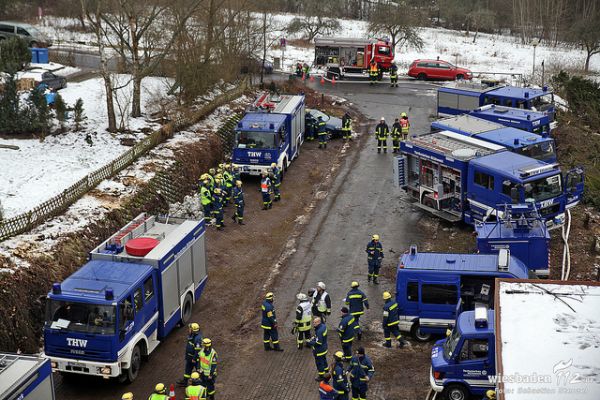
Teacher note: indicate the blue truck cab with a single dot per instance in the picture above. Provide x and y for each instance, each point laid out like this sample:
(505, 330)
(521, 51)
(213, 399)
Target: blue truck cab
(527, 120)
(464, 98)
(24, 377)
(464, 364)
(457, 177)
(516, 140)
(272, 131)
(117, 308)
(431, 288)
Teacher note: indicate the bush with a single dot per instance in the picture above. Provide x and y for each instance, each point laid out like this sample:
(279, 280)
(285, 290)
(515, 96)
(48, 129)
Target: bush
(78, 115)
(61, 111)
(583, 96)
(14, 55)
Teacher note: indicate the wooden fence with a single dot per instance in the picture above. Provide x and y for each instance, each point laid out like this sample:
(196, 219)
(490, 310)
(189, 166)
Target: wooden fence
(59, 203)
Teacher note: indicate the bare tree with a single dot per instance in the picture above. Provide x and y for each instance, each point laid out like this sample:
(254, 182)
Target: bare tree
(314, 20)
(585, 29)
(399, 22)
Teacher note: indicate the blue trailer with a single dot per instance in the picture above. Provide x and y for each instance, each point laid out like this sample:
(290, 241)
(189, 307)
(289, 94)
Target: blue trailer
(462, 178)
(431, 288)
(527, 120)
(272, 132)
(142, 282)
(516, 140)
(464, 98)
(24, 377)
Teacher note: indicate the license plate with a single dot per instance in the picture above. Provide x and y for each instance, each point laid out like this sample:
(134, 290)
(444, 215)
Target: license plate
(75, 364)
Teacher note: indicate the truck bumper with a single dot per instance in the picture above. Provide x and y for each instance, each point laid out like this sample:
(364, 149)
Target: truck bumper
(254, 170)
(85, 367)
(437, 386)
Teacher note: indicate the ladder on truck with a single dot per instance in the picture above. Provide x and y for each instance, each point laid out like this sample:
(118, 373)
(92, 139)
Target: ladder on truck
(127, 232)
(6, 360)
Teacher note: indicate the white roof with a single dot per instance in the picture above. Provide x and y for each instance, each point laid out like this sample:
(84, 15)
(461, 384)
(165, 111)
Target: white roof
(549, 341)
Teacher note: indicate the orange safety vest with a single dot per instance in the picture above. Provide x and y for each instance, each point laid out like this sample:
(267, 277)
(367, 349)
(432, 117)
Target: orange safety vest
(373, 68)
(264, 186)
(404, 125)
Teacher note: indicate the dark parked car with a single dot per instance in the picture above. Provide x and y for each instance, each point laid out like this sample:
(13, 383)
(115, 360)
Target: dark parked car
(43, 77)
(333, 125)
(437, 70)
(253, 65)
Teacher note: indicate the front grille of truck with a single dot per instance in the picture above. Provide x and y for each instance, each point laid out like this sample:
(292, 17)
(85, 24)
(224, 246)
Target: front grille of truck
(66, 352)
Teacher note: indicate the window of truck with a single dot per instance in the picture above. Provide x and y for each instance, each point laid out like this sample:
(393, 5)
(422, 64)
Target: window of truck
(450, 343)
(256, 140)
(540, 151)
(485, 180)
(542, 103)
(80, 317)
(543, 189)
(474, 349)
(439, 293)
(412, 291)
(383, 50)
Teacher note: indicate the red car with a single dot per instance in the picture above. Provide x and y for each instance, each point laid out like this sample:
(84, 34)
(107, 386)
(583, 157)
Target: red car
(437, 70)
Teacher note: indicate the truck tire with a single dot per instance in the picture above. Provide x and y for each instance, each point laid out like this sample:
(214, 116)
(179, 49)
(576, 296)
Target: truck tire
(415, 331)
(186, 310)
(421, 76)
(456, 391)
(136, 363)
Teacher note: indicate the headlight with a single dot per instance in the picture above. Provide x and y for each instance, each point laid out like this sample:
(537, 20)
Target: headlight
(54, 364)
(105, 370)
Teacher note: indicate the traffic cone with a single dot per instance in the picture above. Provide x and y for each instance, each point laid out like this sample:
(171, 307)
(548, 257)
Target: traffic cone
(333, 80)
(312, 78)
(172, 392)
(322, 80)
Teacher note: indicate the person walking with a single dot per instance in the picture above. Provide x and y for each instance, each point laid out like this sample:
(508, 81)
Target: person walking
(347, 330)
(159, 393)
(276, 172)
(374, 257)
(208, 367)
(391, 320)
(360, 372)
(265, 189)
(396, 135)
(340, 377)
(381, 133)
(321, 302)
(269, 324)
(238, 200)
(303, 320)
(346, 126)
(405, 124)
(318, 343)
(322, 133)
(394, 75)
(195, 390)
(193, 346)
(357, 302)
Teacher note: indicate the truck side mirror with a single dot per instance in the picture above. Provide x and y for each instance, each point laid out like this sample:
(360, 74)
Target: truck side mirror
(514, 195)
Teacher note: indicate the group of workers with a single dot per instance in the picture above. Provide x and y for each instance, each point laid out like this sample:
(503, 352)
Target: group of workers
(318, 130)
(375, 74)
(217, 189)
(270, 186)
(399, 132)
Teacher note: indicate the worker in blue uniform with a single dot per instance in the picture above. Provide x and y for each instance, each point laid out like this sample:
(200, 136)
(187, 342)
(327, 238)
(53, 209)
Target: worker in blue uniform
(276, 180)
(192, 349)
(206, 199)
(322, 133)
(374, 257)
(319, 346)
(391, 320)
(360, 372)
(266, 190)
(269, 324)
(340, 377)
(347, 330)
(357, 302)
(238, 200)
(218, 199)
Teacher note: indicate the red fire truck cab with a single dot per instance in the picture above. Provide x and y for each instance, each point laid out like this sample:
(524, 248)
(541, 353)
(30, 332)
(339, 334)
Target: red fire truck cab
(343, 56)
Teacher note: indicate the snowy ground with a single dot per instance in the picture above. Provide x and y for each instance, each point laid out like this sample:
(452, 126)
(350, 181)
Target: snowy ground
(40, 170)
(111, 193)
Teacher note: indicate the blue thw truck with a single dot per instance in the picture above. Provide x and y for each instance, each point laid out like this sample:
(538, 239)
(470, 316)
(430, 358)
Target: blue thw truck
(526, 120)
(272, 132)
(516, 140)
(138, 285)
(432, 288)
(463, 178)
(24, 377)
(467, 97)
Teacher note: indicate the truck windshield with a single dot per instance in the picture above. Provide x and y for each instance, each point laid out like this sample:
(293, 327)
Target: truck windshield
(450, 343)
(540, 151)
(79, 317)
(255, 140)
(543, 189)
(383, 50)
(543, 103)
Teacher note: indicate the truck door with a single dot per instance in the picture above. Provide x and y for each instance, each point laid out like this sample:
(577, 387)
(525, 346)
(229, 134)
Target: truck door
(573, 185)
(476, 363)
(437, 305)
(126, 319)
(145, 304)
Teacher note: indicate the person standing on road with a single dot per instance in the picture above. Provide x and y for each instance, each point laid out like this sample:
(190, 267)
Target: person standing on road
(192, 348)
(303, 320)
(361, 372)
(269, 324)
(373, 73)
(218, 199)
(374, 257)
(276, 181)
(347, 330)
(208, 367)
(405, 124)
(321, 302)
(391, 319)
(160, 392)
(195, 390)
(265, 189)
(238, 200)
(206, 199)
(322, 132)
(394, 75)
(326, 391)
(381, 133)
(357, 301)
(310, 130)
(396, 136)
(346, 126)
(319, 346)
(340, 377)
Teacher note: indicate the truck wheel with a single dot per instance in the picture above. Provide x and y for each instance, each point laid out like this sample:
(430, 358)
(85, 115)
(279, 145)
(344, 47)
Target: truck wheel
(421, 76)
(418, 335)
(187, 310)
(136, 363)
(456, 392)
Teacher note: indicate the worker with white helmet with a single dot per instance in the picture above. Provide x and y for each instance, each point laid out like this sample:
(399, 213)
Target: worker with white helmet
(321, 302)
(374, 257)
(382, 132)
(303, 319)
